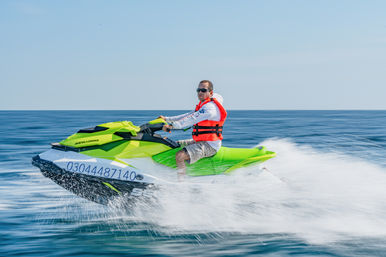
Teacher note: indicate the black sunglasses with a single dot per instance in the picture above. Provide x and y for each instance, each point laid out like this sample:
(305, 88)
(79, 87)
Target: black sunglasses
(204, 90)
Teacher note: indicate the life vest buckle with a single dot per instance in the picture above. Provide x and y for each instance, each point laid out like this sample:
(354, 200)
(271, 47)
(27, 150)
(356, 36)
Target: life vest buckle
(217, 131)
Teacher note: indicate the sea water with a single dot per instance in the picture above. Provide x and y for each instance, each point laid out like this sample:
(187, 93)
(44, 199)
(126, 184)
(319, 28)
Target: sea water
(323, 195)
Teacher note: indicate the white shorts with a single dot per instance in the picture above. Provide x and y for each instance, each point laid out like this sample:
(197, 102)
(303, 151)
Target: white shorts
(197, 150)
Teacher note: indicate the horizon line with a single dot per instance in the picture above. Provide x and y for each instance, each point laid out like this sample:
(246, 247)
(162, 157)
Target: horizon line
(190, 109)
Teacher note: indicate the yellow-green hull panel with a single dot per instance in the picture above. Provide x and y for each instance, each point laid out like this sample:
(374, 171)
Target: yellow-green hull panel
(127, 149)
(226, 160)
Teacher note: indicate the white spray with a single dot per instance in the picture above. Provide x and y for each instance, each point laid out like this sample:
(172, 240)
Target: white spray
(318, 196)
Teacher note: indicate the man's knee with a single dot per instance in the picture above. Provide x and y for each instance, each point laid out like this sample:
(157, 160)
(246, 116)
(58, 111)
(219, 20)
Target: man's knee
(182, 155)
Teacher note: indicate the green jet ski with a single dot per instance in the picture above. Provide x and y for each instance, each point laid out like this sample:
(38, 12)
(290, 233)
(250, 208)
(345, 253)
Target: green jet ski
(112, 160)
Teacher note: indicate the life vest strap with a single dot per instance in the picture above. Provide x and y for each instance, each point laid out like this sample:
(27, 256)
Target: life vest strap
(214, 130)
(207, 127)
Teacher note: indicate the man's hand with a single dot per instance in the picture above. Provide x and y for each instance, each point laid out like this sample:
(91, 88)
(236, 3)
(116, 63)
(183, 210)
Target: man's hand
(167, 128)
(161, 117)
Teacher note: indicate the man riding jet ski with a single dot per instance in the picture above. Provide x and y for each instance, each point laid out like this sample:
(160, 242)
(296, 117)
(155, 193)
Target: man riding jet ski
(207, 120)
(112, 159)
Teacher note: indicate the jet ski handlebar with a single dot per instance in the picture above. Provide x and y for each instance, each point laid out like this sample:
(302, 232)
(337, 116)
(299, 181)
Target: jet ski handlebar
(156, 125)
(153, 126)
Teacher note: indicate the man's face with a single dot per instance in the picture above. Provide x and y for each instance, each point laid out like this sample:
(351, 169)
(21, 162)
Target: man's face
(202, 96)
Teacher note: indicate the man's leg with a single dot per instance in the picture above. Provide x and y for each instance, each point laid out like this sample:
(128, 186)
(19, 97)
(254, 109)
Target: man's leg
(181, 157)
(192, 153)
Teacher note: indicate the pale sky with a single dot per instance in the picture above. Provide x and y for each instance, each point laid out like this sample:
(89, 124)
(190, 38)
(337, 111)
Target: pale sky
(128, 55)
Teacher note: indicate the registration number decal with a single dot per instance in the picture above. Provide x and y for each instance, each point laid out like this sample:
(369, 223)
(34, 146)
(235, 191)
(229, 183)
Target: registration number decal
(101, 171)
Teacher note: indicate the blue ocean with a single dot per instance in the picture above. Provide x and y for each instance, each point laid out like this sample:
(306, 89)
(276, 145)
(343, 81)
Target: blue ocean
(324, 194)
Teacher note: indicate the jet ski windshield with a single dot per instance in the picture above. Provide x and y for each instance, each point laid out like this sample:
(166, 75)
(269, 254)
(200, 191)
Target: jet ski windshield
(114, 132)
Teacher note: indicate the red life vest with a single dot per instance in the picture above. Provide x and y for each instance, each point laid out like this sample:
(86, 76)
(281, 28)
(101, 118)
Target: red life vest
(209, 130)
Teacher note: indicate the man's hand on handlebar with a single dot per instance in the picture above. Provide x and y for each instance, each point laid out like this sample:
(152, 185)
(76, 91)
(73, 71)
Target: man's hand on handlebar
(167, 127)
(162, 117)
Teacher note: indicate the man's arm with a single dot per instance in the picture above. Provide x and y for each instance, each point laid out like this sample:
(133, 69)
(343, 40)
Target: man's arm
(207, 112)
(175, 118)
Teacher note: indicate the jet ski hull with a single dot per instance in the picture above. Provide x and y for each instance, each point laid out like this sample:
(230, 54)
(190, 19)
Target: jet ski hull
(99, 189)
